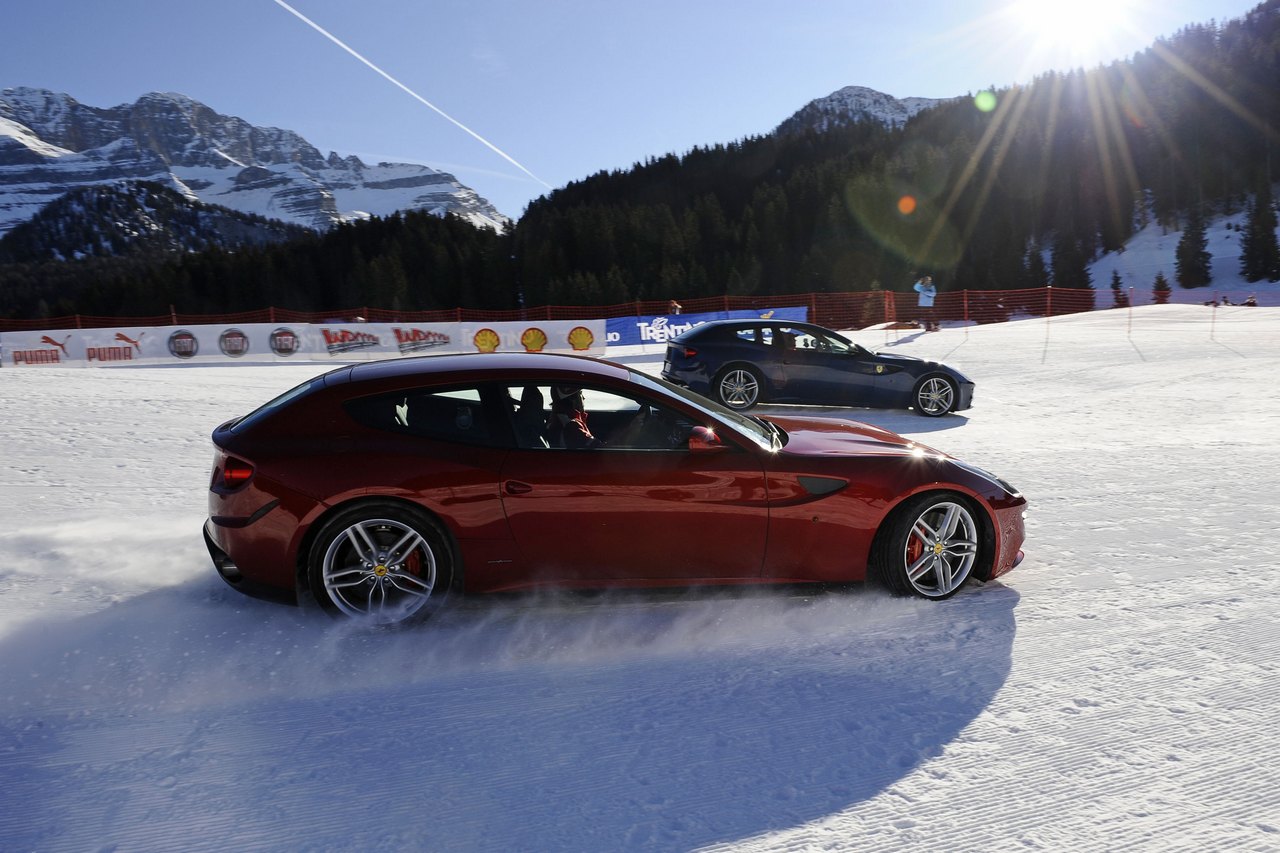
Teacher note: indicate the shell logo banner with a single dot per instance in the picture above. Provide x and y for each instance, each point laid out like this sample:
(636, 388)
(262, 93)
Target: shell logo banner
(584, 337)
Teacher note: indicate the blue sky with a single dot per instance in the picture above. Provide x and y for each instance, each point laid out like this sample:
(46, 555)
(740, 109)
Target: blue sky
(560, 88)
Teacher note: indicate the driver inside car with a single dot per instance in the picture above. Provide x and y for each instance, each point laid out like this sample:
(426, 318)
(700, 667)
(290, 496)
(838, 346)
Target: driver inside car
(567, 427)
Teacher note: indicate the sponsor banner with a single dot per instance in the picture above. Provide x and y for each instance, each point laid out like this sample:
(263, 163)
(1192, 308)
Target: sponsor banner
(39, 349)
(248, 343)
(584, 337)
(257, 343)
(372, 341)
(658, 329)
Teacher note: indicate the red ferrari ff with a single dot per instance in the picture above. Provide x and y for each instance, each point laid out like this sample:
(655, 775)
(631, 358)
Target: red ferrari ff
(377, 489)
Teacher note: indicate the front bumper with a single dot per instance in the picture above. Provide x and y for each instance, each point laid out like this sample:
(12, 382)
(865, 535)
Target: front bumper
(1010, 536)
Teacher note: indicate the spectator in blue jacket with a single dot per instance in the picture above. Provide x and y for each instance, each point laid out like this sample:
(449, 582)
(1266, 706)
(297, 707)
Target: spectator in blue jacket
(928, 293)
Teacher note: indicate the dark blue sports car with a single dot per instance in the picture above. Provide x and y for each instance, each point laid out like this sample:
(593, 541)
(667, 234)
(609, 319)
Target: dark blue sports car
(744, 362)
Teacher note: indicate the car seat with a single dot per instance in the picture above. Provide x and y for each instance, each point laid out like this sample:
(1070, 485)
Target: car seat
(530, 419)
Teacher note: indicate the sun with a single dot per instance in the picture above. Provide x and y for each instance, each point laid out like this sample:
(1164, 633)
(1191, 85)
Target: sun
(1078, 32)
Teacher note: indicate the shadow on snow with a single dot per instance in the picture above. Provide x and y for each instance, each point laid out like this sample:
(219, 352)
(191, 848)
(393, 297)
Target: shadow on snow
(564, 722)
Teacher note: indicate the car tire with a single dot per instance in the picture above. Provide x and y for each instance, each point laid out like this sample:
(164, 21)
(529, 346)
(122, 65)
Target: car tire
(738, 387)
(934, 396)
(383, 562)
(929, 547)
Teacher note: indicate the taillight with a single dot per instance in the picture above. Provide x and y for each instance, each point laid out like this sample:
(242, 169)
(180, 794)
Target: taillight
(235, 473)
(688, 352)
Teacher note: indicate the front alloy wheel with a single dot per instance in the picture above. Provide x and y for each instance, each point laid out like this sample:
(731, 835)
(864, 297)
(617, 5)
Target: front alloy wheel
(935, 396)
(930, 549)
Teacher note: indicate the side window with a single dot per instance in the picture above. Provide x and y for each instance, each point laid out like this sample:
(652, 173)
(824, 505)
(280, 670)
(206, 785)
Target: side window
(800, 338)
(787, 338)
(454, 414)
(529, 406)
(830, 343)
(747, 336)
(557, 417)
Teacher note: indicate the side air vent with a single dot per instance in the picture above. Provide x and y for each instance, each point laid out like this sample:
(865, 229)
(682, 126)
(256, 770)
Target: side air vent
(819, 486)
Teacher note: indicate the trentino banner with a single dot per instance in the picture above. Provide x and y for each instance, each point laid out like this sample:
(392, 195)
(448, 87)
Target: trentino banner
(660, 328)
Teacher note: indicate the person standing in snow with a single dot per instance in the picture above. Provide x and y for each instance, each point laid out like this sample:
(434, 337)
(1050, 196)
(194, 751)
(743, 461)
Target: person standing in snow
(928, 293)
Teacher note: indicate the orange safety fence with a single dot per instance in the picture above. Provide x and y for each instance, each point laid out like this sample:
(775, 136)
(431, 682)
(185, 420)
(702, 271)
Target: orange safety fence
(833, 310)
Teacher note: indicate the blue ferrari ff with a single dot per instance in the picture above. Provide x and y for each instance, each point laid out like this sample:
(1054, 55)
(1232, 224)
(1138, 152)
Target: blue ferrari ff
(744, 362)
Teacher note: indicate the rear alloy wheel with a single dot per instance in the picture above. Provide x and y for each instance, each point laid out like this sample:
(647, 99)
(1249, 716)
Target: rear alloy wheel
(934, 396)
(738, 388)
(929, 549)
(380, 563)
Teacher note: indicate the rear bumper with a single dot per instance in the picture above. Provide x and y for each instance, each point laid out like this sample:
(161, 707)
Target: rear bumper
(230, 572)
(691, 375)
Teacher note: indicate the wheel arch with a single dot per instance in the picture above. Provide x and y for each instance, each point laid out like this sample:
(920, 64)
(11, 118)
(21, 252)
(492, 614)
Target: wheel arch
(977, 506)
(766, 385)
(317, 524)
(912, 400)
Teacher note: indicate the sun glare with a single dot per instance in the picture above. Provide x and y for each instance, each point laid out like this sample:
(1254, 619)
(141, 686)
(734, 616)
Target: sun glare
(1080, 31)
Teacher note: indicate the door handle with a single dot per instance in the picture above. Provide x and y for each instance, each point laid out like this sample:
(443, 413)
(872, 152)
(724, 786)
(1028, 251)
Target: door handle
(515, 487)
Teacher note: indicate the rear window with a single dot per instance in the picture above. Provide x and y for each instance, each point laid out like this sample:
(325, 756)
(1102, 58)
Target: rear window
(716, 334)
(267, 409)
(455, 414)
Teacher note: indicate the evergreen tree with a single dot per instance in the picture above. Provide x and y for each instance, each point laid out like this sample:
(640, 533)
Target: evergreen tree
(1117, 290)
(1069, 264)
(1259, 252)
(1192, 255)
(1160, 290)
(1037, 274)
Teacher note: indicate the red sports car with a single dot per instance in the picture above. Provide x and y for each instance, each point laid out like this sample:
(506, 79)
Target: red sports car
(379, 488)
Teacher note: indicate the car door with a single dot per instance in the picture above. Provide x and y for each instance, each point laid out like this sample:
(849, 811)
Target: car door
(823, 369)
(639, 507)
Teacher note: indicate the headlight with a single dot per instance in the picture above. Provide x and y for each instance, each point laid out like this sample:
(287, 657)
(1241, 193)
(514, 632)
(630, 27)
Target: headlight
(974, 469)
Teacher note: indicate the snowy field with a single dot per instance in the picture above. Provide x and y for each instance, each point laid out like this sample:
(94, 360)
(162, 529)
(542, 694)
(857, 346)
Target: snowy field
(1120, 690)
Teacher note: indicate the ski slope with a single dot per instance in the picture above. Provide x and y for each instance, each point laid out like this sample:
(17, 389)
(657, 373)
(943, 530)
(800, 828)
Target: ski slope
(1119, 690)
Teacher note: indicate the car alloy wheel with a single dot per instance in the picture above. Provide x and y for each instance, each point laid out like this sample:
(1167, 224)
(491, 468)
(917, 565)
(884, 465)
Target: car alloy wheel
(739, 388)
(935, 396)
(379, 564)
(930, 549)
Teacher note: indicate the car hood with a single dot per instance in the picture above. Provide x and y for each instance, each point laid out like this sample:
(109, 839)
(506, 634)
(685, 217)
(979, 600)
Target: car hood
(837, 437)
(914, 364)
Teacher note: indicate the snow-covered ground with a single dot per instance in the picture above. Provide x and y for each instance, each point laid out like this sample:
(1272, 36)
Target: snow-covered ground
(1119, 690)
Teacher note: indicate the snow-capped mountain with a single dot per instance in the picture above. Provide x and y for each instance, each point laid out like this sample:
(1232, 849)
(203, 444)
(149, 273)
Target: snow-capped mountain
(50, 143)
(135, 217)
(853, 104)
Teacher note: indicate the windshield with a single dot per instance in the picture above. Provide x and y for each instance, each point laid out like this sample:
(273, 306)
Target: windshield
(761, 432)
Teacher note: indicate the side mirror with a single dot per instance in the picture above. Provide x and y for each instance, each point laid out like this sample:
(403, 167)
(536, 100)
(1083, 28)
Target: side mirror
(704, 440)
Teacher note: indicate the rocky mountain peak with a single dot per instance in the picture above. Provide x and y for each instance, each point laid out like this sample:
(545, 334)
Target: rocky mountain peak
(60, 144)
(854, 104)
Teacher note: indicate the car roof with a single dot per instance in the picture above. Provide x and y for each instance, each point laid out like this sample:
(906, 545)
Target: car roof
(758, 321)
(482, 366)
